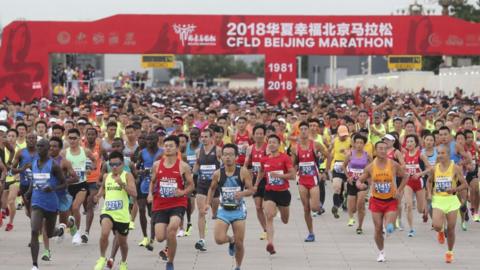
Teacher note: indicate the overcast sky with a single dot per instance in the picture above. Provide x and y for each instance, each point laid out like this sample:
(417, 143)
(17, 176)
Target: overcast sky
(95, 9)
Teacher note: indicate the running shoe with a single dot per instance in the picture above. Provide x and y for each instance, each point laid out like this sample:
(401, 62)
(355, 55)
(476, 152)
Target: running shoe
(263, 236)
(61, 230)
(85, 238)
(398, 224)
(449, 257)
(9, 227)
(425, 217)
(164, 254)
(149, 245)
(441, 238)
(188, 231)
(411, 233)
(34, 268)
(476, 218)
(110, 263)
(169, 266)
(46, 255)
(381, 257)
(144, 242)
(100, 264)
(310, 238)
(359, 231)
(181, 233)
(77, 239)
(200, 245)
(231, 249)
(464, 226)
(131, 226)
(123, 266)
(72, 226)
(314, 214)
(271, 249)
(389, 229)
(237, 268)
(335, 212)
(351, 222)
(322, 210)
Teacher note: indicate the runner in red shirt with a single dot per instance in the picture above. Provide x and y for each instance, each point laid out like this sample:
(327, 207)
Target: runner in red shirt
(168, 195)
(413, 158)
(242, 140)
(255, 154)
(305, 159)
(278, 169)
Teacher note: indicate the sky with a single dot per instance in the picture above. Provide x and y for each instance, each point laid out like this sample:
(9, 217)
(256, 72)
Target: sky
(95, 9)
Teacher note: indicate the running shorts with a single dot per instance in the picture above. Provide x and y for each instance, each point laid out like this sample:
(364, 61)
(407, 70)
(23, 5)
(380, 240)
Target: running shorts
(446, 204)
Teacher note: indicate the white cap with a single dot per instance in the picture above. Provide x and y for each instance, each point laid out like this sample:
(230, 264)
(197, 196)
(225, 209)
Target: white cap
(156, 104)
(223, 111)
(3, 128)
(53, 120)
(81, 121)
(99, 113)
(389, 137)
(3, 115)
(282, 120)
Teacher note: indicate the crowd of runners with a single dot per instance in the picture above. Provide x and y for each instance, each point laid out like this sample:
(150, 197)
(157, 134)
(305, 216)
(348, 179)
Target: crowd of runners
(165, 155)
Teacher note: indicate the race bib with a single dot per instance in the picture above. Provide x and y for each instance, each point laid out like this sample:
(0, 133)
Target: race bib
(228, 195)
(442, 184)
(191, 160)
(338, 166)
(256, 167)
(81, 174)
(274, 181)
(206, 172)
(412, 169)
(307, 168)
(113, 205)
(242, 148)
(28, 175)
(383, 188)
(355, 173)
(40, 180)
(168, 189)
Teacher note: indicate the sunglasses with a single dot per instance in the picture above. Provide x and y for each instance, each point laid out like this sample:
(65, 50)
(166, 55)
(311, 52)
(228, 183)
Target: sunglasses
(115, 164)
(73, 138)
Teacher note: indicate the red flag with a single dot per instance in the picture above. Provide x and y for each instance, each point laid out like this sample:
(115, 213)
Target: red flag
(357, 97)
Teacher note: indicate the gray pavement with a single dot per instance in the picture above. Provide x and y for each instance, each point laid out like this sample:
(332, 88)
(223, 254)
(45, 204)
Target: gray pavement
(336, 247)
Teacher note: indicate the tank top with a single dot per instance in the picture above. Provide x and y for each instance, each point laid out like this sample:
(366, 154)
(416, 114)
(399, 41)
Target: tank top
(191, 155)
(444, 180)
(412, 164)
(357, 165)
(375, 138)
(43, 177)
(106, 146)
(279, 164)
(168, 181)
(383, 184)
(433, 158)
(454, 156)
(391, 154)
(307, 162)
(116, 199)
(26, 157)
(10, 177)
(208, 164)
(93, 176)
(228, 186)
(339, 153)
(128, 152)
(256, 157)
(148, 160)
(58, 160)
(471, 149)
(242, 141)
(79, 164)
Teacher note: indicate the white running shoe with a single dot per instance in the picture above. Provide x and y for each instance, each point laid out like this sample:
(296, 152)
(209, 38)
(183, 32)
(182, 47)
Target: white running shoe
(181, 233)
(381, 257)
(77, 239)
(34, 268)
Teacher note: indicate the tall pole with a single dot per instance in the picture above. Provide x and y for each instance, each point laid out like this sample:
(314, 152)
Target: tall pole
(299, 58)
(369, 60)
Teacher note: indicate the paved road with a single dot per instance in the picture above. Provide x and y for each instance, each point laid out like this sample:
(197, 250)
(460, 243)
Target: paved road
(337, 247)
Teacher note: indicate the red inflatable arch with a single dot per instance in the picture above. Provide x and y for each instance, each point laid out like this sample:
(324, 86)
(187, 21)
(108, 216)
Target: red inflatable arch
(26, 45)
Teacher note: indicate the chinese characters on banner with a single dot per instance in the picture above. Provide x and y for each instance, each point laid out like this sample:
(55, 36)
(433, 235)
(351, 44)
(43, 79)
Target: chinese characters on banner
(280, 78)
(310, 35)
